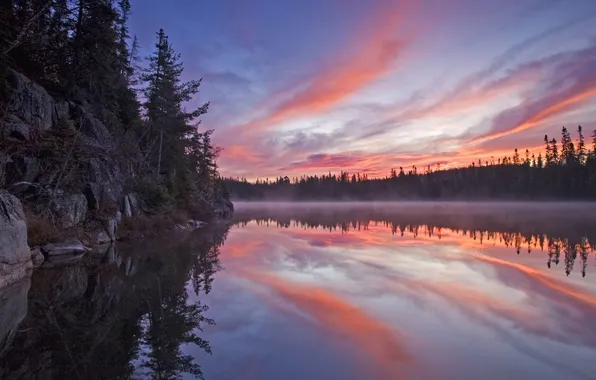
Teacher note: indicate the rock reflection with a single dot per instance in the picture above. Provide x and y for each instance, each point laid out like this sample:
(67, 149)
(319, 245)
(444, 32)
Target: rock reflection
(119, 314)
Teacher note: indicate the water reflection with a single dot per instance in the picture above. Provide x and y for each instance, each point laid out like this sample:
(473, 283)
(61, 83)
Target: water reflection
(122, 313)
(525, 228)
(319, 293)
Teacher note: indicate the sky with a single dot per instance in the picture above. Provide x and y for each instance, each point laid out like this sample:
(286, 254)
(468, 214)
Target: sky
(317, 86)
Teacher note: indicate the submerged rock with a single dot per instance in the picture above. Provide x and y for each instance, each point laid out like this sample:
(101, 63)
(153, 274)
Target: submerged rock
(15, 255)
(66, 248)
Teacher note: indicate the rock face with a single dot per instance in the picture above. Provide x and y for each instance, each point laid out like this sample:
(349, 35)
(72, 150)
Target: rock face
(15, 255)
(32, 114)
(70, 210)
(32, 110)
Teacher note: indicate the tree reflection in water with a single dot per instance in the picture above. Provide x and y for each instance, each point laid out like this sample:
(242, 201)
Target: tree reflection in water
(118, 315)
(572, 240)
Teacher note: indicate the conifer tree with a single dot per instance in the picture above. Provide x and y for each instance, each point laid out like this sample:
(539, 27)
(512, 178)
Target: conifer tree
(581, 146)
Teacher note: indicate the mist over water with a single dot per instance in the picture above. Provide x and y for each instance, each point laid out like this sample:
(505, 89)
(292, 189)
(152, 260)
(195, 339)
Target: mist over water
(411, 290)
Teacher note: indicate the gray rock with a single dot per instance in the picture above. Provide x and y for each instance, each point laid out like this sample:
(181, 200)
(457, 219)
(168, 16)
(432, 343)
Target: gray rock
(62, 261)
(13, 309)
(112, 228)
(194, 224)
(112, 255)
(118, 217)
(136, 206)
(30, 104)
(66, 248)
(15, 255)
(109, 179)
(15, 129)
(70, 209)
(127, 210)
(37, 257)
(100, 236)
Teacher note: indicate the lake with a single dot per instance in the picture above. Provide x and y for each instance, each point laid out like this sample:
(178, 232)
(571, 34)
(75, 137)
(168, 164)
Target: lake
(321, 291)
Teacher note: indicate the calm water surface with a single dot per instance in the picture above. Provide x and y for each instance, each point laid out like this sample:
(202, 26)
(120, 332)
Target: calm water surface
(350, 291)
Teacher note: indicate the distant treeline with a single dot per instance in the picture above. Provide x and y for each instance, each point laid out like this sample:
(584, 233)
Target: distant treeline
(567, 170)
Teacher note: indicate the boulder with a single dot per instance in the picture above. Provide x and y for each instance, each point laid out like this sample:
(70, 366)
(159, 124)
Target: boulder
(67, 248)
(15, 129)
(100, 236)
(112, 228)
(69, 209)
(62, 261)
(137, 206)
(15, 255)
(108, 178)
(127, 210)
(37, 257)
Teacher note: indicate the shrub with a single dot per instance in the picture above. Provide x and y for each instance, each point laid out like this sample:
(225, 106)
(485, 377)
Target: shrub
(40, 230)
(156, 195)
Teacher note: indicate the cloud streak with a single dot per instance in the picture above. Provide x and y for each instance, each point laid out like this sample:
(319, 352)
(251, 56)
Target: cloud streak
(374, 56)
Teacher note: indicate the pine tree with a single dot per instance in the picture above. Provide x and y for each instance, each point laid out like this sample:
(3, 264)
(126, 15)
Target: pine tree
(516, 157)
(548, 152)
(554, 150)
(540, 163)
(581, 147)
(568, 150)
(173, 143)
(594, 144)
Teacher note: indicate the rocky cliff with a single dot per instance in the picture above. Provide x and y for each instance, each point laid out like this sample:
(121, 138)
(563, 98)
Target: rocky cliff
(71, 173)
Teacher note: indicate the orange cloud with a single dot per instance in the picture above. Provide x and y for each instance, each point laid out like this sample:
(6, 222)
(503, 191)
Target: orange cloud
(559, 107)
(374, 57)
(382, 344)
(239, 153)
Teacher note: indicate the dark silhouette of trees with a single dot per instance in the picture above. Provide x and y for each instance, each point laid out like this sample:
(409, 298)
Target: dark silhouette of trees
(125, 315)
(566, 172)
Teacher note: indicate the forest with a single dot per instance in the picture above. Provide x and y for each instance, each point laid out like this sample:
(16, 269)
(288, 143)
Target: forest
(567, 170)
(82, 112)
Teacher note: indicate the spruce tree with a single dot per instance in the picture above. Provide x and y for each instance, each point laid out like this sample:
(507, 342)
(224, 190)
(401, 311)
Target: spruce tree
(567, 148)
(581, 146)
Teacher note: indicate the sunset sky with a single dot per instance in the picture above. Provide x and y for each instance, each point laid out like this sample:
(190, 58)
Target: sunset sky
(311, 86)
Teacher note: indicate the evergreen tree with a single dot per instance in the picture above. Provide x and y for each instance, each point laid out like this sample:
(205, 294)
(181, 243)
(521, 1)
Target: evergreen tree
(594, 143)
(567, 148)
(554, 151)
(539, 162)
(581, 146)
